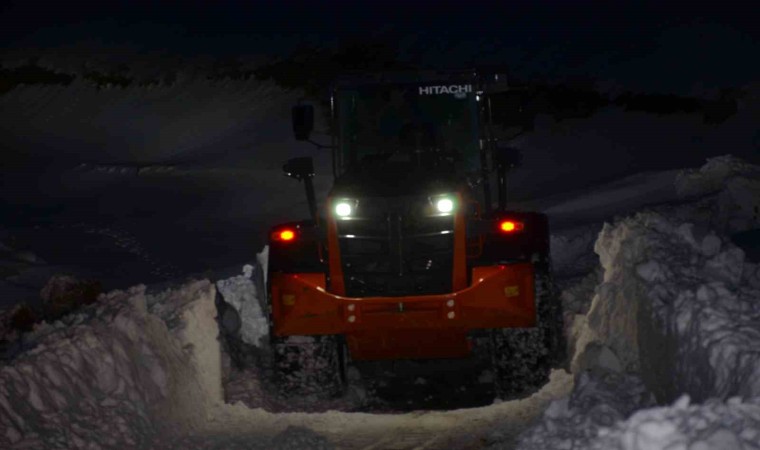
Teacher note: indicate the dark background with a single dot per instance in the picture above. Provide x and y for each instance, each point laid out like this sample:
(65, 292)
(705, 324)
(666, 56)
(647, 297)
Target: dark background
(662, 85)
(669, 45)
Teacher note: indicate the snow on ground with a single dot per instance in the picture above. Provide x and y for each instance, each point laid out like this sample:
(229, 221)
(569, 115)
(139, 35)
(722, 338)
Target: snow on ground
(670, 315)
(603, 413)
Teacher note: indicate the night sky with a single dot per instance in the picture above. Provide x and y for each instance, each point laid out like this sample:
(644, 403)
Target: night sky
(647, 45)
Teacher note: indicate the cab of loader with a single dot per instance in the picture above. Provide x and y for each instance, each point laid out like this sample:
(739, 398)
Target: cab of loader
(409, 258)
(407, 127)
(405, 147)
(456, 124)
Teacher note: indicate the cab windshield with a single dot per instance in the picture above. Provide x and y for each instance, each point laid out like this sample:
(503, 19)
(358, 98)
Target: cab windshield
(428, 126)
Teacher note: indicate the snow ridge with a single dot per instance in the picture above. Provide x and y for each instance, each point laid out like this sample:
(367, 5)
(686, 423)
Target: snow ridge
(100, 378)
(677, 315)
(692, 317)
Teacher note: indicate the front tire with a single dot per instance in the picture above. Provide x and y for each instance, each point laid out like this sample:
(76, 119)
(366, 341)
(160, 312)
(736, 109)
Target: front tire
(522, 358)
(309, 365)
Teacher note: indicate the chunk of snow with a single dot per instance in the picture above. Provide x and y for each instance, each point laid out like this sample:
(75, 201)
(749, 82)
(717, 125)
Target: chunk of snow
(608, 360)
(240, 293)
(713, 425)
(725, 266)
(711, 245)
(650, 271)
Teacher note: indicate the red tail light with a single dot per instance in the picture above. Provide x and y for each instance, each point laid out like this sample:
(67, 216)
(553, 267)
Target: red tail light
(285, 235)
(510, 226)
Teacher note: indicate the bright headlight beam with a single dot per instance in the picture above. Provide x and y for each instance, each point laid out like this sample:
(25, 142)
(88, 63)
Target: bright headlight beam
(343, 209)
(444, 205)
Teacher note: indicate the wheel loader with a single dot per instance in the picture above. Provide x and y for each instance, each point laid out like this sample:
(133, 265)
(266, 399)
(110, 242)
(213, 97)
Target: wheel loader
(409, 257)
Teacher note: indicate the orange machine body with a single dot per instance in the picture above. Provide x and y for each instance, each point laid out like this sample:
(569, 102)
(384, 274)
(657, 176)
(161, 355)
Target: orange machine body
(408, 327)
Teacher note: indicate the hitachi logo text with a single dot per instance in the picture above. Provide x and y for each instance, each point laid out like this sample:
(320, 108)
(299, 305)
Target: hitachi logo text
(453, 89)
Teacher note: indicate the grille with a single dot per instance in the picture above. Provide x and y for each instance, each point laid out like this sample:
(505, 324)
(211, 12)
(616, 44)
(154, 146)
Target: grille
(395, 248)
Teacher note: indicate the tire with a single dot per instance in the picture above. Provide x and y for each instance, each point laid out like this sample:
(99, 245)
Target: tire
(522, 358)
(309, 365)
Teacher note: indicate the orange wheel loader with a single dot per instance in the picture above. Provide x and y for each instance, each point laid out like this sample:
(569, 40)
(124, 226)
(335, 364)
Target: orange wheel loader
(408, 257)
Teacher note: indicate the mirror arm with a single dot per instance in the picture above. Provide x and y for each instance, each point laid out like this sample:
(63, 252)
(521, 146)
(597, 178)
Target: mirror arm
(311, 200)
(501, 172)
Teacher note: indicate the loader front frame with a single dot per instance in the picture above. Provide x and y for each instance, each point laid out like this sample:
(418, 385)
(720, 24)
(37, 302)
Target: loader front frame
(409, 327)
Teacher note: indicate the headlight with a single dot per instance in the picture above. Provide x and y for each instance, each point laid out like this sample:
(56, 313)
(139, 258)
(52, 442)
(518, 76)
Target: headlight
(344, 208)
(443, 204)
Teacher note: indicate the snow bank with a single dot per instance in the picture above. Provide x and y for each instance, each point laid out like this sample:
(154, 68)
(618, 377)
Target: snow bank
(595, 416)
(597, 401)
(677, 315)
(713, 425)
(678, 302)
(114, 375)
(136, 371)
(681, 309)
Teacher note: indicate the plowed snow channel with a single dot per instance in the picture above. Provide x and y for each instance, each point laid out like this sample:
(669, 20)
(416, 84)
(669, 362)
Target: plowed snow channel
(670, 316)
(142, 371)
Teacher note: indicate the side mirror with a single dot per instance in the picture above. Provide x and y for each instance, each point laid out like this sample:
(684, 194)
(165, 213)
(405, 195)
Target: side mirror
(303, 121)
(299, 168)
(507, 157)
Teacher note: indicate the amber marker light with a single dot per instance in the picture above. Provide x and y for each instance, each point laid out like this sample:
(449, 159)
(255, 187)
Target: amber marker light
(510, 226)
(286, 235)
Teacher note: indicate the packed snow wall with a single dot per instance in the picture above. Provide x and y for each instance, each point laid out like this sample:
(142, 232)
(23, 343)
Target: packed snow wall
(674, 319)
(676, 289)
(116, 373)
(693, 326)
